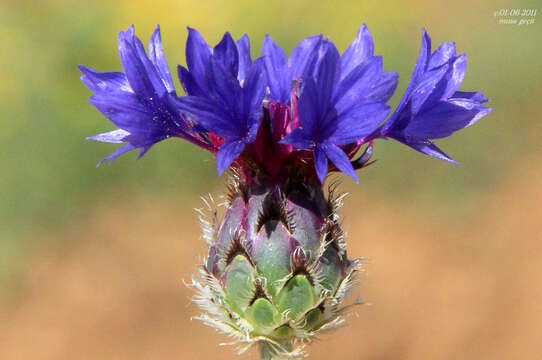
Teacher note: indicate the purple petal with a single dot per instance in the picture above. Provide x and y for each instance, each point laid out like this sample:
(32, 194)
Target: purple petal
(456, 76)
(222, 85)
(451, 80)
(148, 137)
(354, 88)
(104, 81)
(383, 88)
(243, 47)
(157, 57)
(363, 159)
(124, 110)
(419, 69)
(444, 54)
(428, 148)
(136, 72)
(443, 119)
(115, 154)
(320, 163)
(209, 115)
(423, 59)
(225, 53)
(143, 150)
(303, 58)
(340, 160)
(425, 87)
(308, 107)
(198, 54)
(150, 69)
(190, 86)
(139, 58)
(358, 122)
(227, 153)
(421, 65)
(474, 96)
(472, 105)
(253, 92)
(298, 139)
(365, 84)
(327, 72)
(360, 50)
(275, 65)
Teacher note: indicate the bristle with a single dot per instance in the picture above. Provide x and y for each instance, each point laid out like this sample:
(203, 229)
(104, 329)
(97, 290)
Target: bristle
(235, 187)
(237, 246)
(260, 291)
(208, 220)
(299, 261)
(334, 235)
(335, 199)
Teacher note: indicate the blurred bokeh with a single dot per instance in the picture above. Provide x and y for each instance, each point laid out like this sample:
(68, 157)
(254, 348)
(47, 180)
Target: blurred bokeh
(91, 260)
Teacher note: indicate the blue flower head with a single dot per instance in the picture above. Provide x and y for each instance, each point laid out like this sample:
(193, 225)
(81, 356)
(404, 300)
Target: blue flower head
(432, 107)
(309, 113)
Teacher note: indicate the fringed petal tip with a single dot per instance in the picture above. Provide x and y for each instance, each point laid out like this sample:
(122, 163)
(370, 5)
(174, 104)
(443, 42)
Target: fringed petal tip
(115, 154)
(434, 151)
(122, 150)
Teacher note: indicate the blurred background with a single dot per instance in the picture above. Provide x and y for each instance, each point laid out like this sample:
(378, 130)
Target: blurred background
(92, 260)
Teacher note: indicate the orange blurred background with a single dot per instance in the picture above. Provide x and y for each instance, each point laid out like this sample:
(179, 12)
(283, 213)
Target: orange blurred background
(92, 260)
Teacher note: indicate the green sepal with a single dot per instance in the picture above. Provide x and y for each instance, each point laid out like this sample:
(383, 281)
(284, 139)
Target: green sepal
(296, 297)
(272, 254)
(240, 283)
(263, 315)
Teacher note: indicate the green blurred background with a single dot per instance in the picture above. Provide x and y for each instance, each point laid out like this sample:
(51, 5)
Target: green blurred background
(91, 259)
